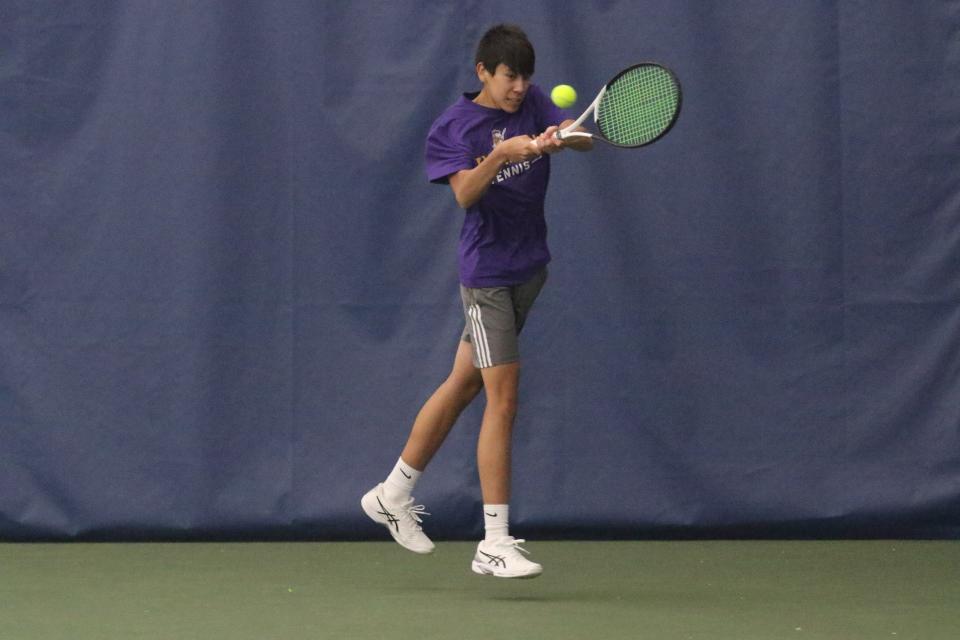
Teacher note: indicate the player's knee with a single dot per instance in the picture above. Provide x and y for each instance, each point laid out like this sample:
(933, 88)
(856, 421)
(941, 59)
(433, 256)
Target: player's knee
(469, 389)
(465, 388)
(473, 386)
(504, 405)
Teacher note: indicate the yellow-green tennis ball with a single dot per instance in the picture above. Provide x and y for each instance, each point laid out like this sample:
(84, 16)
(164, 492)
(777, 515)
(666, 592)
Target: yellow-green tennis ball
(563, 95)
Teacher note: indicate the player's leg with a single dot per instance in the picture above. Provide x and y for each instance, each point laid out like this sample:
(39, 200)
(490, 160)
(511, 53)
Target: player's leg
(390, 503)
(504, 312)
(499, 554)
(494, 443)
(498, 315)
(441, 410)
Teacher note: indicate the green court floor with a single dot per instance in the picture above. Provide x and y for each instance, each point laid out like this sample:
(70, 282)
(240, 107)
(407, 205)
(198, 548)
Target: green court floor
(877, 590)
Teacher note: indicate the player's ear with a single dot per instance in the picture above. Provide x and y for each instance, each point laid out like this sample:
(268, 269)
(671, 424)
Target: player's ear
(480, 71)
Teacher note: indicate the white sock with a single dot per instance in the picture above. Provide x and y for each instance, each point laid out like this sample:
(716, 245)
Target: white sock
(400, 483)
(496, 521)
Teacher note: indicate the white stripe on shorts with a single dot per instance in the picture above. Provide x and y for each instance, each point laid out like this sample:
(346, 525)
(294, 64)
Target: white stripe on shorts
(480, 337)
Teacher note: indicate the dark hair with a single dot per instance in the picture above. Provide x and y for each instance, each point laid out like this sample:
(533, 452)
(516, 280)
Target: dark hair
(507, 44)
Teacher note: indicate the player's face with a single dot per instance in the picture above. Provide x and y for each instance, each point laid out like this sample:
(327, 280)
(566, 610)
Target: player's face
(503, 89)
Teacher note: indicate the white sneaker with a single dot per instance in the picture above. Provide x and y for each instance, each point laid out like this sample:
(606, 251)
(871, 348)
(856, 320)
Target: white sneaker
(402, 521)
(503, 558)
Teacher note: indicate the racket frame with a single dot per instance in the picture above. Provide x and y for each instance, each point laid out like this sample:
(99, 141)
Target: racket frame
(571, 132)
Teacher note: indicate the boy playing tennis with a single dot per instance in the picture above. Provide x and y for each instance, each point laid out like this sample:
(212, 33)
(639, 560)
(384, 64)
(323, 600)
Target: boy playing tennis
(492, 147)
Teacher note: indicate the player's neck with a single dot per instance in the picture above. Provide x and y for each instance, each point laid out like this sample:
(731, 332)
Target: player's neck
(484, 100)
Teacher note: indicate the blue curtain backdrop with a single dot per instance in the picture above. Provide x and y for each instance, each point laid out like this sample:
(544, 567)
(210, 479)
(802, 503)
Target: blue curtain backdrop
(226, 286)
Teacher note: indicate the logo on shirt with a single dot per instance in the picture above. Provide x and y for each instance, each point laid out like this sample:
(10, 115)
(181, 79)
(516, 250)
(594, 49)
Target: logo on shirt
(511, 168)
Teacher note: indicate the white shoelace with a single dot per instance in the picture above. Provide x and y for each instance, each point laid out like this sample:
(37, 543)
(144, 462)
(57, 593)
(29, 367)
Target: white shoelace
(414, 511)
(517, 542)
(514, 543)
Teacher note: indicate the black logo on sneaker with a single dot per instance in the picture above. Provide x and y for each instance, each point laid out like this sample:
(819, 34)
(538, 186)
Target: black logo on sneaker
(497, 561)
(390, 518)
(405, 474)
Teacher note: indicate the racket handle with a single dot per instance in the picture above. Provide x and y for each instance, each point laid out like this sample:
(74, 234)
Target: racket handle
(556, 134)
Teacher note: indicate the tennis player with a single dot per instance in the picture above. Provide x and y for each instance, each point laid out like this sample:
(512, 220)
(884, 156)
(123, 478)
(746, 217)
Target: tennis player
(493, 148)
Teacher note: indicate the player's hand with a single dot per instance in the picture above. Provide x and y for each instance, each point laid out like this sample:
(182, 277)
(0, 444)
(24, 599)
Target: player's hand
(518, 149)
(548, 142)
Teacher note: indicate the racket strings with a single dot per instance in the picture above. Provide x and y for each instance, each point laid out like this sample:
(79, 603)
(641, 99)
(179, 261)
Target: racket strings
(638, 106)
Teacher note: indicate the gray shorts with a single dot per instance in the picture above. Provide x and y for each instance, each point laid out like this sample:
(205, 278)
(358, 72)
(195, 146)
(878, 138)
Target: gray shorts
(494, 318)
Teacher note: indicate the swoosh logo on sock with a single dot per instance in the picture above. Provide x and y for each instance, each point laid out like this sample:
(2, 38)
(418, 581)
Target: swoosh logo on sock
(492, 515)
(405, 474)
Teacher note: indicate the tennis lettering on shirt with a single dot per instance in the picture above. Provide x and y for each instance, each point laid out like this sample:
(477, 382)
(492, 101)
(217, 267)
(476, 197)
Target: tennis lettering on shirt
(510, 169)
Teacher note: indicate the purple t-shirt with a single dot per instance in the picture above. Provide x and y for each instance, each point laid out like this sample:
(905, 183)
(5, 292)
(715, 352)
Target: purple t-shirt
(503, 241)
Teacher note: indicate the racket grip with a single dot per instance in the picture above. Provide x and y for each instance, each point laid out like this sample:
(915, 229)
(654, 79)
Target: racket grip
(556, 134)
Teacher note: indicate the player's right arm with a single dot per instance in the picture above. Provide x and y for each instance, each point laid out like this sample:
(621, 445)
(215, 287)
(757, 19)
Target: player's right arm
(469, 185)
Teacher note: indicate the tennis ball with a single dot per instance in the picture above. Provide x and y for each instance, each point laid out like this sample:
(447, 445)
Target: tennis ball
(563, 95)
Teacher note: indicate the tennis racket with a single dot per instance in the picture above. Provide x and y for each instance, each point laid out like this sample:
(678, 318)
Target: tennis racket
(638, 107)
